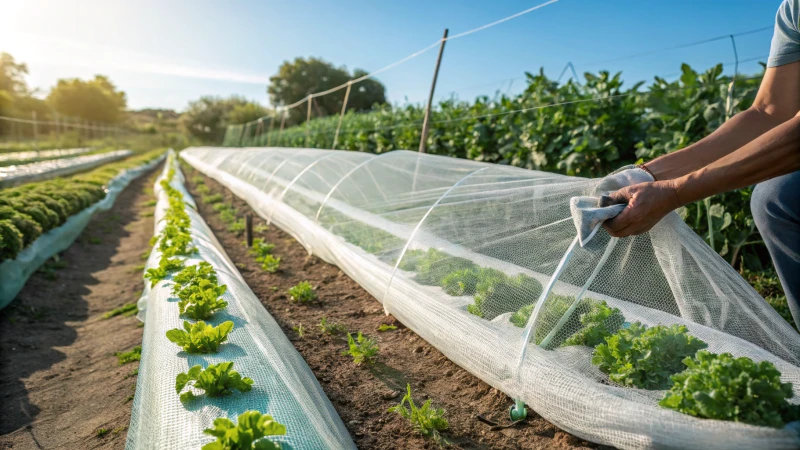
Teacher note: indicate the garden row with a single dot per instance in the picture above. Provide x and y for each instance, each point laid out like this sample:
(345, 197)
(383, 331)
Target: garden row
(28, 211)
(14, 158)
(597, 126)
(218, 327)
(462, 264)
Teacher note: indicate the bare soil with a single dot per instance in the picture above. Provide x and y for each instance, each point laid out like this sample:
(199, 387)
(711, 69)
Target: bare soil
(362, 394)
(60, 384)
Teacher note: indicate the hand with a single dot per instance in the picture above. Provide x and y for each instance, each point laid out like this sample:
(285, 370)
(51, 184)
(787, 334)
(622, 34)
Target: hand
(647, 204)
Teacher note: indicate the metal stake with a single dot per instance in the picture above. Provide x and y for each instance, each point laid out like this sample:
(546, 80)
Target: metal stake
(430, 96)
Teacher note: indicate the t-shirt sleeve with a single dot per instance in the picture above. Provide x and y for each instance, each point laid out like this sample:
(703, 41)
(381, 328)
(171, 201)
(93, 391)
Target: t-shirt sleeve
(785, 47)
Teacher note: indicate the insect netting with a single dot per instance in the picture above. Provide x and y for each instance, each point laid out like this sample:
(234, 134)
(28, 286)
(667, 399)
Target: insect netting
(484, 262)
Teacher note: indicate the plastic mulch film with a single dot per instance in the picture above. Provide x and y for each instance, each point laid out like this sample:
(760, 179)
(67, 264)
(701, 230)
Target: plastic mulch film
(36, 155)
(483, 262)
(283, 387)
(14, 273)
(26, 173)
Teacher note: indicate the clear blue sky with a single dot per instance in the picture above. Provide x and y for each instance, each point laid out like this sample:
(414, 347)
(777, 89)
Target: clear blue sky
(168, 52)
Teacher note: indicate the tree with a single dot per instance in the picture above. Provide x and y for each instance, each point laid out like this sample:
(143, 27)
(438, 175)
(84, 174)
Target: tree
(297, 79)
(207, 117)
(12, 75)
(96, 100)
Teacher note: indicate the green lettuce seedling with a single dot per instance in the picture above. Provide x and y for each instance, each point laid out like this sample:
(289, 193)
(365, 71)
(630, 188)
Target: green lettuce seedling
(190, 276)
(270, 264)
(165, 267)
(736, 389)
(249, 433)
(427, 420)
(362, 349)
(331, 327)
(261, 248)
(302, 293)
(599, 322)
(200, 337)
(203, 301)
(646, 357)
(215, 380)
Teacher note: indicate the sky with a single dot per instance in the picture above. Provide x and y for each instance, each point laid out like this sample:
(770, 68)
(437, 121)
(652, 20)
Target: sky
(166, 53)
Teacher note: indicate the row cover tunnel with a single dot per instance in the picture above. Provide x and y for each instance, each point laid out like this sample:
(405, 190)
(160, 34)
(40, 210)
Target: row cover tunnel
(482, 261)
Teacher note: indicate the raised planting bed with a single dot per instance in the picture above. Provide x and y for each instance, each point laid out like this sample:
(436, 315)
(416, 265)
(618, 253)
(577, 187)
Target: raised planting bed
(45, 170)
(38, 220)
(210, 353)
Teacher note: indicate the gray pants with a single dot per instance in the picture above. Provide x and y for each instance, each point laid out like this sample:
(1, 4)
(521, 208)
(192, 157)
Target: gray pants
(776, 210)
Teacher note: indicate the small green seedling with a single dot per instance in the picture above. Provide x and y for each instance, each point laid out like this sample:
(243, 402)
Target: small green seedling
(102, 432)
(362, 349)
(300, 330)
(197, 179)
(202, 189)
(211, 199)
(302, 293)
(261, 248)
(331, 327)
(200, 337)
(215, 380)
(237, 226)
(126, 310)
(386, 327)
(203, 300)
(260, 228)
(427, 420)
(165, 267)
(271, 264)
(251, 432)
(129, 357)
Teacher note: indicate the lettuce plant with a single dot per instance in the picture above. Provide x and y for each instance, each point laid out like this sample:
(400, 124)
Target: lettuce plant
(203, 300)
(200, 337)
(644, 357)
(427, 420)
(362, 349)
(302, 293)
(736, 389)
(165, 267)
(251, 432)
(215, 380)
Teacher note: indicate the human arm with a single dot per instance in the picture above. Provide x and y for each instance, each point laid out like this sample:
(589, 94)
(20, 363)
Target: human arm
(774, 153)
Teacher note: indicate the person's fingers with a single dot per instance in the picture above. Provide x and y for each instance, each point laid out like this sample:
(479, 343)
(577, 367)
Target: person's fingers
(620, 197)
(619, 222)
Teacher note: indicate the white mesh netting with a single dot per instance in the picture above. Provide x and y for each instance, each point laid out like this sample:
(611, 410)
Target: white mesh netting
(412, 228)
(26, 173)
(283, 384)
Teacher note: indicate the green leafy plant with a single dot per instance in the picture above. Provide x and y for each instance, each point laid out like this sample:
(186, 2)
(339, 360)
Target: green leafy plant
(260, 248)
(165, 267)
(331, 327)
(599, 322)
(128, 357)
(200, 337)
(497, 293)
(126, 310)
(300, 330)
(362, 349)
(202, 189)
(646, 357)
(736, 389)
(215, 380)
(426, 420)
(302, 292)
(270, 264)
(237, 226)
(385, 327)
(203, 300)
(251, 432)
(211, 199)
(260, 228)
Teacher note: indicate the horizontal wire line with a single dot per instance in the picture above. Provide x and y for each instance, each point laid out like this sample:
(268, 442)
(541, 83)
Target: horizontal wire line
(411, 56)
(679, 46)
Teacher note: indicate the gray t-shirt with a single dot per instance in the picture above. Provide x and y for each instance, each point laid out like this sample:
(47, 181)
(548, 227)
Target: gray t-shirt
(785, 47)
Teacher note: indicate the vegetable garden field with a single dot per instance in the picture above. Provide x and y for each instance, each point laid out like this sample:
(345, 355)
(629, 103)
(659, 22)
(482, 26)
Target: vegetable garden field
(275, 293)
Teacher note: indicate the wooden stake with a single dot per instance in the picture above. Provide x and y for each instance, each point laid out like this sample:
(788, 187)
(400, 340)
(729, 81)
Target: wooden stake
(248, 229)
(430, 96)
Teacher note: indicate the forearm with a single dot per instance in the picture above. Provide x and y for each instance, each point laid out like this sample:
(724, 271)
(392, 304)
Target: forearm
(732, 135)
(774, 153)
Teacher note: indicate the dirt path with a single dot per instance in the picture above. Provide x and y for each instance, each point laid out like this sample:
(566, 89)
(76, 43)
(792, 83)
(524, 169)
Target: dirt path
(60, 384)
(361, 395)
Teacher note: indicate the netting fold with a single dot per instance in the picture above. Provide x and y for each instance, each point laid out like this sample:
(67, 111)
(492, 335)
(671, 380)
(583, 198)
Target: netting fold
(483, 262)
(283, 385)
